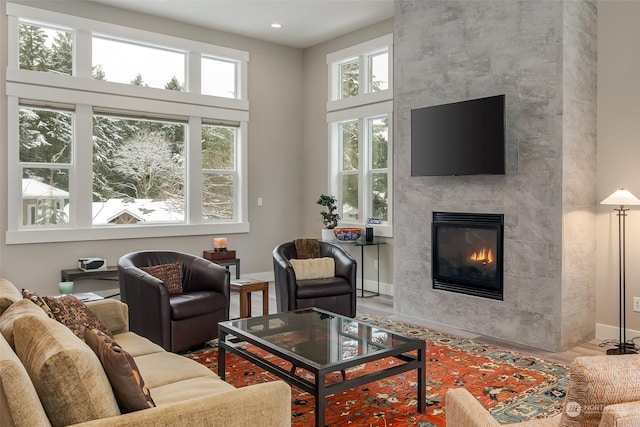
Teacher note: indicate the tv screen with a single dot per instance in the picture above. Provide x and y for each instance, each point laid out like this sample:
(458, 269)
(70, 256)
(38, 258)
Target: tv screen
(462, 138)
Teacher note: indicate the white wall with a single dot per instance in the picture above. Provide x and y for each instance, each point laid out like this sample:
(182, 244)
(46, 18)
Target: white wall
(618, 156)
(275, 159)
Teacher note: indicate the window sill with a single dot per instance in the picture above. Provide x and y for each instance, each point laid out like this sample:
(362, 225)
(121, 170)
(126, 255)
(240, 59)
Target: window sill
(121, 232)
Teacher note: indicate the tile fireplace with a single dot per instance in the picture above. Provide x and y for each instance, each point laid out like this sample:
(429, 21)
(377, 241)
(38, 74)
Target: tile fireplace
(467, 253)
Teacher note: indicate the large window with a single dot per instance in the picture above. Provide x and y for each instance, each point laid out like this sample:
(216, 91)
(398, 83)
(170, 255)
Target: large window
(360, 115)
(117, 133)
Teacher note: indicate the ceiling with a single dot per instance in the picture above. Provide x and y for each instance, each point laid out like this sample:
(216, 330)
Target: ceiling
(304, 22)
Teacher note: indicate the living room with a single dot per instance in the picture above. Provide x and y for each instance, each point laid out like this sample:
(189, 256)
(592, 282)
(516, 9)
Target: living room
(295, 99)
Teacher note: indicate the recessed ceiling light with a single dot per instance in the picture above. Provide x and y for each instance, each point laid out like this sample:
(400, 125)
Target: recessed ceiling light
(276, 25)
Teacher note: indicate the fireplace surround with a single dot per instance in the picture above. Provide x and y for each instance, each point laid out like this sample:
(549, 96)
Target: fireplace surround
(467, 253)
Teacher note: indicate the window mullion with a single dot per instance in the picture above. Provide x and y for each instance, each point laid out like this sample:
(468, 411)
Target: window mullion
(81, 173)
(362, 75)
(82, 54)
(364, 166)
(193, 179)
(193, 72)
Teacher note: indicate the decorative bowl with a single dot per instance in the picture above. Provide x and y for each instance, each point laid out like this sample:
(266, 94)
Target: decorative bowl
(347, 234)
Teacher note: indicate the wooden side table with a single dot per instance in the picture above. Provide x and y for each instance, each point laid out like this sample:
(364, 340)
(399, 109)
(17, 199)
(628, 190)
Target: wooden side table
(245, 287)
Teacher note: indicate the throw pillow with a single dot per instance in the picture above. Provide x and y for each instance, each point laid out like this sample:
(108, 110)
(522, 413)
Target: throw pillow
(72, 313)
(313, 268)
(37, 300)
(21, 308)
(169, 274)
(8, 294)
(127, 383)
(67, 375)
(307, 248)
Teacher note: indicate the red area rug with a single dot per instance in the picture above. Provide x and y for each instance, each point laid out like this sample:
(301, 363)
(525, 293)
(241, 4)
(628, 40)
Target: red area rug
(514, 387)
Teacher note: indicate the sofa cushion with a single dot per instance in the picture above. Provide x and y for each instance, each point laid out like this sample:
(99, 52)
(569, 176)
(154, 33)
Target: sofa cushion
(67, 375)
(18, 309)
(136, 345)
(8, 294)
(112, 313)
(159, 369)
(127, 383)
(596, 382)
(20, 405)
(74, 314)
(169, 274)
(313, 268)
(37, 300)
(191, 388)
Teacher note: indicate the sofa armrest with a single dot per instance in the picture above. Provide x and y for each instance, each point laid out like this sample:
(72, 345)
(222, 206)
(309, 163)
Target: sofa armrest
(266, 404)
(621, 415)
(113, 314)
(464, 410)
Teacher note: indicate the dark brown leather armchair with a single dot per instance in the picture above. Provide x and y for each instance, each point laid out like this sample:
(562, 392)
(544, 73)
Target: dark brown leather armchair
(336, 294)
(175, 322)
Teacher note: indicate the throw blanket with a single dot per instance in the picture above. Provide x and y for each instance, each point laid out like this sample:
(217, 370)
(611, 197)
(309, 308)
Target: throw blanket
(307, 248)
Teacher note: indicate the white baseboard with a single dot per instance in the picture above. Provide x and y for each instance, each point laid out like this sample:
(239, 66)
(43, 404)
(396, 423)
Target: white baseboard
(372, 285)
(267, 276)
(607, 332)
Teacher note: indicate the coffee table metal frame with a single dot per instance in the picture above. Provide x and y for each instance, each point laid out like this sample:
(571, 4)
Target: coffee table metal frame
(230, 336)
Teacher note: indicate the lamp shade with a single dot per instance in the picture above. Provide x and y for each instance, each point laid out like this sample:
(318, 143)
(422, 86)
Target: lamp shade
(621, 197)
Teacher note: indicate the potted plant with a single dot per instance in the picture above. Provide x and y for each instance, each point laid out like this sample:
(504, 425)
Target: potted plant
(329, 217)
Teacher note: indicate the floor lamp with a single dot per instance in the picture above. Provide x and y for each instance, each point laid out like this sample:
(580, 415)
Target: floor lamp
(622, 198)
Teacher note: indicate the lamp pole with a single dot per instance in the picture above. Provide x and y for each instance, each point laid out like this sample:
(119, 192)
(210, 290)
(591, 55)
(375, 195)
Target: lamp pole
(621, 198)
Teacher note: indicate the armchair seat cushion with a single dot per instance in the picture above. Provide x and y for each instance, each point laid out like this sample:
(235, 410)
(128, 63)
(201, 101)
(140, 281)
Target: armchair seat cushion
(320, 288)
(186, 306)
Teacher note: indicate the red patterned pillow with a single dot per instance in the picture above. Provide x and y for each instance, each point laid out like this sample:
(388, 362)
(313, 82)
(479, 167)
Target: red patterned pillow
(170, 274)
(127, 383)
(37, 300)
(72, 313)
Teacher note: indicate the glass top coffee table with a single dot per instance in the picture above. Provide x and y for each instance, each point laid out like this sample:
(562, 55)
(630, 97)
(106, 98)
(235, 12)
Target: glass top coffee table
(321, 343)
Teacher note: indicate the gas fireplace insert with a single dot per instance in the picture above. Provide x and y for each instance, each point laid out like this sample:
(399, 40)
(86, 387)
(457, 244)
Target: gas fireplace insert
(467, 253)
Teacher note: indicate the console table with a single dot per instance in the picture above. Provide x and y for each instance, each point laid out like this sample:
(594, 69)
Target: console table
(71, 275)
(362, 244)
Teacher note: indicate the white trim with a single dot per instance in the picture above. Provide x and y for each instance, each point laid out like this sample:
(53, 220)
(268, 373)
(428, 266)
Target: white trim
(607, 332)
(355, 101)
(360, 112)
(50, 235)
(39, 82)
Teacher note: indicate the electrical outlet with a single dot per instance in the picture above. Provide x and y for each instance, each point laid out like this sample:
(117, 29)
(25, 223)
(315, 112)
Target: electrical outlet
(636, 303)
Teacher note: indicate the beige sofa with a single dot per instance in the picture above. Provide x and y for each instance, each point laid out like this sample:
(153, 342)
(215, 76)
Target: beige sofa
(48, 376)
(603, 391)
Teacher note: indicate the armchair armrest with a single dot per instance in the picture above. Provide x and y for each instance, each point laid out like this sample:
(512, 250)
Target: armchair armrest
(464, 410)
(267, 404)
(113, 314)
(148, 299)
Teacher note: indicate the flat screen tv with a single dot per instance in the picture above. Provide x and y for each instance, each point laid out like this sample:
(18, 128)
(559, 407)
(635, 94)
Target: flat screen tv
(462, 138)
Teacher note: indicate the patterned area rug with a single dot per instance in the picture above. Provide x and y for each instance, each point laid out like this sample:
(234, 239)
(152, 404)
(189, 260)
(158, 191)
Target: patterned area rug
(513, 386)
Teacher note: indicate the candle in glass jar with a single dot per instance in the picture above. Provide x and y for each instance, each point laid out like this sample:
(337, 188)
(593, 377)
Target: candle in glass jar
(65, 288)
(220, 243)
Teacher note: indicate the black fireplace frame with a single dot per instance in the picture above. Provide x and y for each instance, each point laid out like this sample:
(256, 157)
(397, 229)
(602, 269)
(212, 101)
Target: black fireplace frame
(469, 286)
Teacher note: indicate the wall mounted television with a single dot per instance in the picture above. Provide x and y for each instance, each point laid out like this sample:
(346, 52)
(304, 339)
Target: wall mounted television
(461, 138)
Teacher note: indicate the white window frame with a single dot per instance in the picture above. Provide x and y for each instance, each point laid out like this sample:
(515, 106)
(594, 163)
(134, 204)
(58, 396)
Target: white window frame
(361, 108)
(85, 93)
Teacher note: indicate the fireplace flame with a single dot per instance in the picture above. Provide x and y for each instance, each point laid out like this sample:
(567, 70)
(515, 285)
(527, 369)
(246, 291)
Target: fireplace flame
(485, 256)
